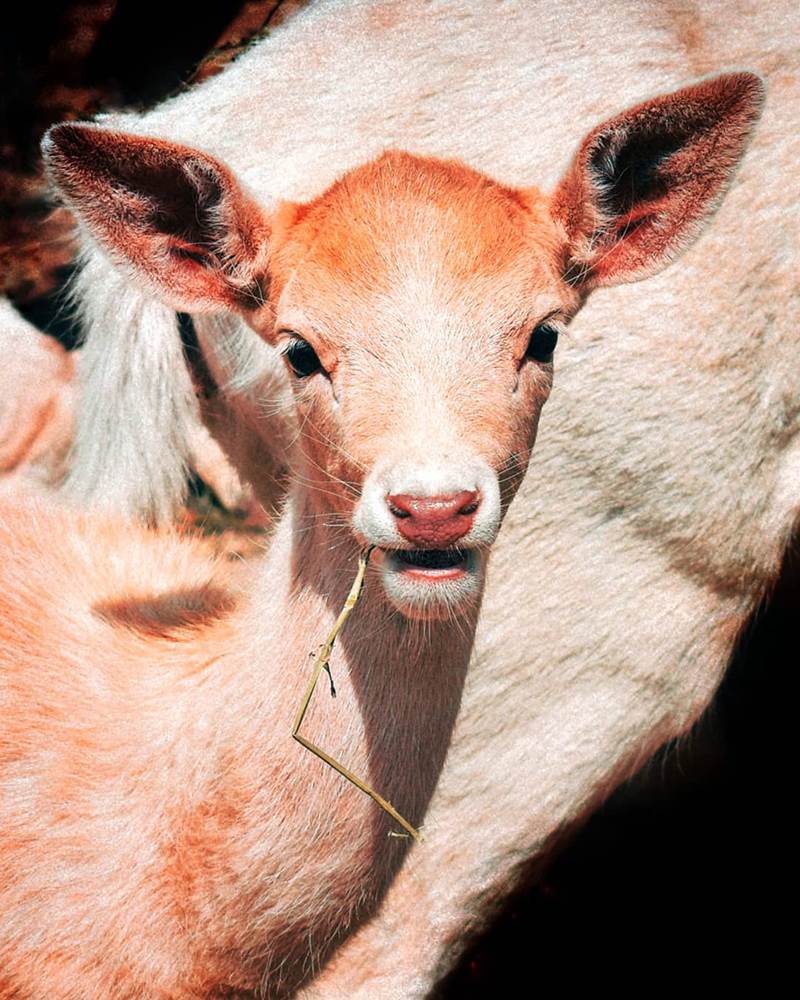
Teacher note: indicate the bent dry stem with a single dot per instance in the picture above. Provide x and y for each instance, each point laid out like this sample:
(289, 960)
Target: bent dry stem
(323, 663)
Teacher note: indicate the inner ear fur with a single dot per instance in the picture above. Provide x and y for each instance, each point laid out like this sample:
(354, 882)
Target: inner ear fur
(175, 214)
(643, 184)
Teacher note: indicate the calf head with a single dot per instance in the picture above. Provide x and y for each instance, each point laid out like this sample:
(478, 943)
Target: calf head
(416, 302)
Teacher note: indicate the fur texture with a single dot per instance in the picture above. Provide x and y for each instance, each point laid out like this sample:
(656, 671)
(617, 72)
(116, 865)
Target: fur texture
(162, 836)
(667, 479)
(37, 403)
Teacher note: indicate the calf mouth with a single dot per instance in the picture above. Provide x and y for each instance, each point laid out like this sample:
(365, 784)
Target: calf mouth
(431, 583)
(431, 565)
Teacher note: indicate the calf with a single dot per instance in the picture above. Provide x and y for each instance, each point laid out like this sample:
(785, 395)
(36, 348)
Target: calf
(162, 835)
(665, 485)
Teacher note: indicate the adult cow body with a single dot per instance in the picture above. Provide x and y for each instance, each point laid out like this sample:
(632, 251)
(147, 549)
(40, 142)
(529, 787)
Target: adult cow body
(666, 481)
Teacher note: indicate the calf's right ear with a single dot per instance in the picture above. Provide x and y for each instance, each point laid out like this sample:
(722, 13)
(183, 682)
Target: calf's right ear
(643, 184)
(176, 216)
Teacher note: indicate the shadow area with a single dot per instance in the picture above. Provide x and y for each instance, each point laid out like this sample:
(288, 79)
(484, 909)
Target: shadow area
(172, 615)
(683, 875)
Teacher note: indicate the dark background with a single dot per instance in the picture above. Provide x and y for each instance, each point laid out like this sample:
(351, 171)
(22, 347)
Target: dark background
(685, 878)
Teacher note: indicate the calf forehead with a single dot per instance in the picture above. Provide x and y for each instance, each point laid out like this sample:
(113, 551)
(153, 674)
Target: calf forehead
(406, 231)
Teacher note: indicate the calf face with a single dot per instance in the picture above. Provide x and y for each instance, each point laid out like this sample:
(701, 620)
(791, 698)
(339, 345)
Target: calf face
(416, 302)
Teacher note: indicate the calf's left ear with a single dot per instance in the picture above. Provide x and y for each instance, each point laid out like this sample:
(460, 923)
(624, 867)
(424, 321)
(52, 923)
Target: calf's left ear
(176, 216)
(643, 184)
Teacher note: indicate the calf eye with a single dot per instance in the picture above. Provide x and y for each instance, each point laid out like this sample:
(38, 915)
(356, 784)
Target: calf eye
(542, 343)
(302, 358)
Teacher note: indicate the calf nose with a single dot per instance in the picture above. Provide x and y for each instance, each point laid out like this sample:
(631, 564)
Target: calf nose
(434, 521)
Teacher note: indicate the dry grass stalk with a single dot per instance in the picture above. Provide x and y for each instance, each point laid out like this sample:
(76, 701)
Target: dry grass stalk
(323, 663)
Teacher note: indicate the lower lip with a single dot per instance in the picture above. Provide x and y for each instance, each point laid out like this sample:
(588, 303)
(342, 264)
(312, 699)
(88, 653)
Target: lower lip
(451, 573)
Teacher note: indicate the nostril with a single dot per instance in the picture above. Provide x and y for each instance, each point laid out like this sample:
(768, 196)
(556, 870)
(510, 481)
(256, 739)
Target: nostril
(439, 508)
(396, 510)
